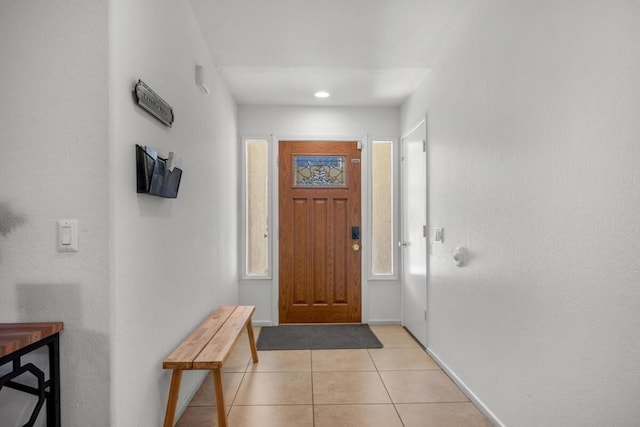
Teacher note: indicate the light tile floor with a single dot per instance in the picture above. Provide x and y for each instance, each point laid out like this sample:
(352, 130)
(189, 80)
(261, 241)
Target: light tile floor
(398, 385)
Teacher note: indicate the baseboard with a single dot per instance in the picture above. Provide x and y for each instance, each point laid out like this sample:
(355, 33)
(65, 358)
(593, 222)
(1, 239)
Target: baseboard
(383, 322)
(376, 322)
(466, 390)
(261, 323)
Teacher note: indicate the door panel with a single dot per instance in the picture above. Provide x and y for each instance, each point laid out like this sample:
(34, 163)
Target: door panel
(319, 269)
(414, 244)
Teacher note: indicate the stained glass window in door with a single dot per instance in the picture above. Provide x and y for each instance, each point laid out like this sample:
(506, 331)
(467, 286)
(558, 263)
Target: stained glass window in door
(320, 171)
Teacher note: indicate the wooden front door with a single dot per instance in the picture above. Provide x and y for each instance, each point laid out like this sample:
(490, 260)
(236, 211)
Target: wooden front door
(319, 208)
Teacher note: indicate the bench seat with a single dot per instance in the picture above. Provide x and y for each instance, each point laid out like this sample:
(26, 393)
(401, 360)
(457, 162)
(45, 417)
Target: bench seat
(207, 348)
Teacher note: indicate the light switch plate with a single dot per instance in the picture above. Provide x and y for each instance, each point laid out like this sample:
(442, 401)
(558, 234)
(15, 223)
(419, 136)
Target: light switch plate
(67, 235)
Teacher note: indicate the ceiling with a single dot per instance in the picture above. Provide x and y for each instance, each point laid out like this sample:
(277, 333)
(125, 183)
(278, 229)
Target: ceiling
(364, 52)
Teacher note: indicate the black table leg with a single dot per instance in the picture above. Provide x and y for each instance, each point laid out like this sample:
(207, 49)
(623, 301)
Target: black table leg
(53, 399)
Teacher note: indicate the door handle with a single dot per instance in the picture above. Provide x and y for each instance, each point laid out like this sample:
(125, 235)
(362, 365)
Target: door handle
(355, 247)
(403, 244)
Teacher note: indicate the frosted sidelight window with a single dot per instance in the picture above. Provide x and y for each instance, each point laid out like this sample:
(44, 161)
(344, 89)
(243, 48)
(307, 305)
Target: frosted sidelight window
(382, 208)
(257, 207)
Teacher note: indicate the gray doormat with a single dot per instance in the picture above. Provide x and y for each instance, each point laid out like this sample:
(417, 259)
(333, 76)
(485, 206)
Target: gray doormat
(316, 337)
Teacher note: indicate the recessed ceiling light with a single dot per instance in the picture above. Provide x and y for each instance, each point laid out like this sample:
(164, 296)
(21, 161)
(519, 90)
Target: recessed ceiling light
(322, 94)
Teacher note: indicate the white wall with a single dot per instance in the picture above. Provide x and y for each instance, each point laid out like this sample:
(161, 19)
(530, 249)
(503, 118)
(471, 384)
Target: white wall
(533, 141)
(173, 261)
(381, 299)
(53, 164)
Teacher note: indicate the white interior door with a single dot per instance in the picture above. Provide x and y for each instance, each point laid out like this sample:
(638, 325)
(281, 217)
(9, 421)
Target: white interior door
(414, 230)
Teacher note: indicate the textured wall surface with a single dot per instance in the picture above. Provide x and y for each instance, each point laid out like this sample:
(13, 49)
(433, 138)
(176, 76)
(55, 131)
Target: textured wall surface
(172, 261)
(533, 141)
(148, 269)
(53, 165)
(381, 299)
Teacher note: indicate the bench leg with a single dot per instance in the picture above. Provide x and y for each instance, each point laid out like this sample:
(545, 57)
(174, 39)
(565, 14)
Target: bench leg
(221, 409)
(252, 341)
(172, 401)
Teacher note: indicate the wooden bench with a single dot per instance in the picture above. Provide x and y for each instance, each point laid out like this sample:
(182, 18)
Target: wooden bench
(208, 347)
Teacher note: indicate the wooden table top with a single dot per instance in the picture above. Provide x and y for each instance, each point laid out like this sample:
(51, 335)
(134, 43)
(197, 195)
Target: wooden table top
(15, 336)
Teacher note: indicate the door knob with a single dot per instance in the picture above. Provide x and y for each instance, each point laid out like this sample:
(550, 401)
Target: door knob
(403, 244)
(355, 247)
(460, 256)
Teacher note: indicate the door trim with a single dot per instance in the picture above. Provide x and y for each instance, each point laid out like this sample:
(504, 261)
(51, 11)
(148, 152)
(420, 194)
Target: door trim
(364, 213)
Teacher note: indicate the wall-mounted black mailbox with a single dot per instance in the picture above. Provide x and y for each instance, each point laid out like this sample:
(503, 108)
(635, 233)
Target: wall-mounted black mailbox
(154, 176)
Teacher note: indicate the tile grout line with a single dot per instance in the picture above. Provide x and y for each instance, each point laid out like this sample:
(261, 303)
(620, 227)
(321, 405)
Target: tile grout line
(244, 374)
(313, 402)
(235, 395)
(395, 408)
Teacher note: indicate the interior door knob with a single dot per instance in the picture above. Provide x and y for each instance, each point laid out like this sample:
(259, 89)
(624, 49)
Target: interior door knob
(460, 256)
(355, 247)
